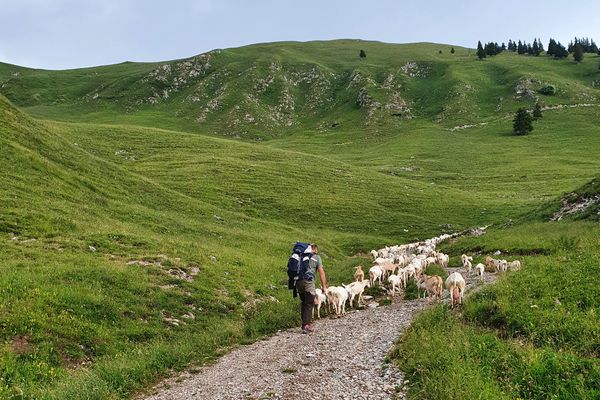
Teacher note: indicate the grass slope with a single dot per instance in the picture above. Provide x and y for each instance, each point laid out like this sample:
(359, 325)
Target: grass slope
(83, 324)
(532, 335)
(268, 89)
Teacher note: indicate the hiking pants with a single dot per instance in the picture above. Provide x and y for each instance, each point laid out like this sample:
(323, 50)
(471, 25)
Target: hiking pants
(307, 292)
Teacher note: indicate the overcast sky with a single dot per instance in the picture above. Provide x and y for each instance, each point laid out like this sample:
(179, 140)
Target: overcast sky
(59, 34)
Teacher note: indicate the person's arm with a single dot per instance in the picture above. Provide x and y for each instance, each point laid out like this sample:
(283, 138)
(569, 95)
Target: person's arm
(323, 278)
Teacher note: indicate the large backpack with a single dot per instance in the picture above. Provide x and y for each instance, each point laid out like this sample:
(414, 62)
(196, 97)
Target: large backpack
(295, 263)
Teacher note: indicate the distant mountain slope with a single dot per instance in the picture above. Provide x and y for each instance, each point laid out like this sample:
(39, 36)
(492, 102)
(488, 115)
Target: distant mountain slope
(267, 89)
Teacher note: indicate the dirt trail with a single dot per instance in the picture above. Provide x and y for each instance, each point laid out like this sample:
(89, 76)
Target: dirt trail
(343, 359)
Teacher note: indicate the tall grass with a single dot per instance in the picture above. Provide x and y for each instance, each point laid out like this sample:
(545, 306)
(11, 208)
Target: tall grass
(531, 335)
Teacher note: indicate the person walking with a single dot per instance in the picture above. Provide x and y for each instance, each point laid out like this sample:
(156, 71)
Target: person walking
(311, 264)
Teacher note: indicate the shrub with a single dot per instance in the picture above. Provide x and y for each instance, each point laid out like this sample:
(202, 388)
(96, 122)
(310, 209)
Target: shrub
(566, 243)
(548, 90)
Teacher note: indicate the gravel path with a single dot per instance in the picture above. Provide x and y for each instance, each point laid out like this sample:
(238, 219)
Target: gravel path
(343, 359)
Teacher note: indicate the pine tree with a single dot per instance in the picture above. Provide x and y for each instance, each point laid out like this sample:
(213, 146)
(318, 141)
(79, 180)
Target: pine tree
(578, 53)
(362, 54)
(593, 47)
(452, 50)
(480, 51)
(560, 51)
(529, 49)
(551, 48)
(520, 48)
(537, 111)
(540, 45)
(522, 123)
(503, 47)
(535, 48)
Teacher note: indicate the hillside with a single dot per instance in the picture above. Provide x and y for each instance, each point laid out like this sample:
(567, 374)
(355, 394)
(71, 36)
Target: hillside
(581, 203)
(267, 89)
(134, 240)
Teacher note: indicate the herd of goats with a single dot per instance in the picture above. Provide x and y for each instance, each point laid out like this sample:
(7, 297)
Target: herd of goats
(397, 264)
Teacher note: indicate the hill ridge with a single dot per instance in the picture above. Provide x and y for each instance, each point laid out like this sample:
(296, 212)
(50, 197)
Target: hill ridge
(266, 90)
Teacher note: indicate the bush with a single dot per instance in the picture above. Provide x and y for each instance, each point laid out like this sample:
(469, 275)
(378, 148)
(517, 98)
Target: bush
(566, 243)
(548, 90)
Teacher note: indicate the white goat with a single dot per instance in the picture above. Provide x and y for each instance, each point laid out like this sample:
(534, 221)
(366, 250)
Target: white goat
(402, 274)
(443, 259)
(375, 273)
(396, 282)
(379, 260)
(479, 270)
(356, 289)
(409, 272)
(320, 298)
(455, 283)
(466, 262)
(337, 296)
(503, 265)
(515, 265)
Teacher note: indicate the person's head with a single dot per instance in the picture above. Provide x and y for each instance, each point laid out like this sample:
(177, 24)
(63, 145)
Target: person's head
(315, 248)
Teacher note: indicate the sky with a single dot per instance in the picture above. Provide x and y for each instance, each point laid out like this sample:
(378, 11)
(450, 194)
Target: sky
(62, 34)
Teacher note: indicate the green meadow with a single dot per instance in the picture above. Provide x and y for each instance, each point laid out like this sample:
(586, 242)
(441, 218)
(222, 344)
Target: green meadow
(147, 210)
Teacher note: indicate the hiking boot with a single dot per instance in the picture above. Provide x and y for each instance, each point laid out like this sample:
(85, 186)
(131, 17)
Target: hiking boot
(307, 328)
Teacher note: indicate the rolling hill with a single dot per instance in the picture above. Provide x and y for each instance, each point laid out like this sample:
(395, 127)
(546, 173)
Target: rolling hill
(268, 89)
(144, 225)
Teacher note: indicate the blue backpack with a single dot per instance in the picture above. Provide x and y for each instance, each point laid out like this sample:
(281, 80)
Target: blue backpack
(295, 268)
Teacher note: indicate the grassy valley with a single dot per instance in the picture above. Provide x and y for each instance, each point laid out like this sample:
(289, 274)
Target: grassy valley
(148, 208)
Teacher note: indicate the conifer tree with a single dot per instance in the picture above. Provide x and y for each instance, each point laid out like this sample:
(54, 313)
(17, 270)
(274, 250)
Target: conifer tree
(540, 45)
(362, 54)
(560, 51)
(522, 123)
(578, 53)
(452, 50)
(520, 48)
(480, 51)
(551, 47)
(535, 48)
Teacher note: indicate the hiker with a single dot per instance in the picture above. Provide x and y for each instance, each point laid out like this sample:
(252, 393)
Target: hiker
(305, 285)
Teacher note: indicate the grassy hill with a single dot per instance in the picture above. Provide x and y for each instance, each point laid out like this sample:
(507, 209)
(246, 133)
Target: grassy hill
(532, 335)
(268, 89)
(134, 240)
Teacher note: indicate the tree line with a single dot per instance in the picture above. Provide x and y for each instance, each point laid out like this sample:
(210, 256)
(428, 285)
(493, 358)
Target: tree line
(577, 47)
